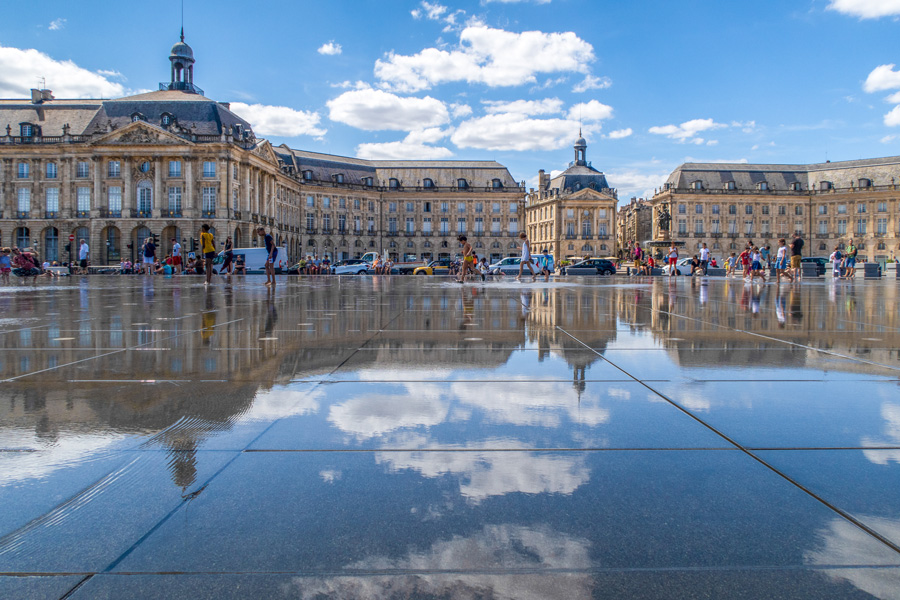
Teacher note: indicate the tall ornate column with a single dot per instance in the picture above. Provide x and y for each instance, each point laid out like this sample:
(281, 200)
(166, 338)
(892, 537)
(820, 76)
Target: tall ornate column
(159, 194)
(188, 206)
(97, 192)
(127, 187)
(245, 193)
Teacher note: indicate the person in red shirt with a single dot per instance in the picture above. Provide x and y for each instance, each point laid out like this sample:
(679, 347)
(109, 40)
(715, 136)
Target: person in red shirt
(745, 262)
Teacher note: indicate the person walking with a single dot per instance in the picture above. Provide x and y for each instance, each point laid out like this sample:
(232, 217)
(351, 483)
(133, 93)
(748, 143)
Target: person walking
(797, 256)
(704, 259)
(176, 256)
(638, 256)
(83, 254)
(525, 260)
(228, 264)
(547, 265)
(468, 260)
(208, 248)
(850, 260)
(271, 255)
(5, 265)
(836, 258)
(149, 255)
(673, 260)
(781, 262)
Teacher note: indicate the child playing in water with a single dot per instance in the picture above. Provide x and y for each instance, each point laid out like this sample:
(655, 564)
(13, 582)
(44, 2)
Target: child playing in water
(5, 265)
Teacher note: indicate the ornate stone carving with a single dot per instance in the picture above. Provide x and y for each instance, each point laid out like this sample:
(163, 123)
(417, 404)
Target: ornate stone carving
(142, 136)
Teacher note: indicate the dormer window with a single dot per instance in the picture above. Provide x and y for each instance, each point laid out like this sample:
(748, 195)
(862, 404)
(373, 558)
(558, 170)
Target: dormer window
(697, 185)
(496, 184)
(135, 117)
(307, 175)
(795, 186)
(394, 183)
(370, 181)
(825, 186)
(762, 186)
(462, 184)
(338, 178)
(865, 183)
(166, 120)
(730, 185)
(26, 130)
(428, 183)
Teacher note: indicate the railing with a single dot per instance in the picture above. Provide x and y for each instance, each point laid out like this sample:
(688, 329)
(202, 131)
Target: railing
(237, 215)
(570, 236)
(82, 214)
(254, 217)
(141, 214)
(427, 233)
(22, 214)
(110, 214)
(391, 234)
(603, 236)
(51, 214)
(183, 86)
(478, 234)
(822, 236)
(207, 214)
(409, 233)
(170, 213)
(311, 231)
(328, 231)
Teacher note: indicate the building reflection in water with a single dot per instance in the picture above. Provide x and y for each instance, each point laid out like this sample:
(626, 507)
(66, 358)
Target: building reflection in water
(210, 354)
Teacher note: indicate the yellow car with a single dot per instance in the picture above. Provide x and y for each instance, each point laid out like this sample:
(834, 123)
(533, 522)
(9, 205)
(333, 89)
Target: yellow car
(435, 267)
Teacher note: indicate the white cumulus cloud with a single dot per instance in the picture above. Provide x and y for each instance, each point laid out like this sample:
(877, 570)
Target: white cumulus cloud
(494, 57)
(19, 70)
(632, 182)
(460, 110)
(330, 49)
(687, 131)
(510, 131)
(618, 134)
(280, 121)
(591, 82)
(590, 111)
(546, 106)
(892, 119)
(882, 77)
(866, 9)
(415, 146)
(377, 110)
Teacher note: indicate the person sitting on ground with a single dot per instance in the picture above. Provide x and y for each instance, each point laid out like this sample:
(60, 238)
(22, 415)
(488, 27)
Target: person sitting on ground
(240, 267)
(695, 266)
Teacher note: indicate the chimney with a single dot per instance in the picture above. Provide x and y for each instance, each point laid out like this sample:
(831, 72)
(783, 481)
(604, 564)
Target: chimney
(36, 97)
(46, 95)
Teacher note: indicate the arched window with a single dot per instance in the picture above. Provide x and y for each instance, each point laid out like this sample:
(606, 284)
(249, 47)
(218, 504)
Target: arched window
(462, 184)
(587, 248)
(358, 244)
(393, 183)
(427, 183)
(496, 184)
(51, 244)
(145, 198)
(23, 237)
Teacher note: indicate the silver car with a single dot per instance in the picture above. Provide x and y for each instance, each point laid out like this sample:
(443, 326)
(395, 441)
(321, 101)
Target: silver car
(510, 266)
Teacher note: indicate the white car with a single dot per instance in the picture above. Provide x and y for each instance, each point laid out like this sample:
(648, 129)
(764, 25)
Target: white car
(683, 267)
(510, 266)
(351, 266)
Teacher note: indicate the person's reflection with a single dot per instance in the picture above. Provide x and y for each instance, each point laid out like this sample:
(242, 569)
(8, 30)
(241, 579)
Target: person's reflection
(271, 314)
(704, 292)
(796, 306)
(468, 305)
(745, 297)
(183, 460)
(780, 306)
(208, 320)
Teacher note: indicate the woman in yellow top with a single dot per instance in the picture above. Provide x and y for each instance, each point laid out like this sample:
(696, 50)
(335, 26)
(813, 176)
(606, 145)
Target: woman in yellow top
(208, 248)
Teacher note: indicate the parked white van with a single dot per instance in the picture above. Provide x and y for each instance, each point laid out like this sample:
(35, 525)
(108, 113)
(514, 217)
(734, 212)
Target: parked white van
(254, 259)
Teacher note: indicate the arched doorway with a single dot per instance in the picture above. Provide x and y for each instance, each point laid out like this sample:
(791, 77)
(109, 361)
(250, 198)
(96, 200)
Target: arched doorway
(51, 244)
(23, 237)
(168, 233)
(112, 240)
(144, 199)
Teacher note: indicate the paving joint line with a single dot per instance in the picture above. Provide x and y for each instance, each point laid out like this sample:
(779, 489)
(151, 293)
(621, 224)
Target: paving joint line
(749, 453)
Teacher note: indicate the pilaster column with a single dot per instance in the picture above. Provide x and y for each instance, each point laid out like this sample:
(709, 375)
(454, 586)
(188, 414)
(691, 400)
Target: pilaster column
(159, 194)
(245, 193)
(224, 188)
(127, 187)
(97, 192)
(187, 202)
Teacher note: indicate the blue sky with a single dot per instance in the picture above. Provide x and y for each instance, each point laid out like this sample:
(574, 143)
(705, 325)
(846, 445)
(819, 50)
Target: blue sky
(652, 83)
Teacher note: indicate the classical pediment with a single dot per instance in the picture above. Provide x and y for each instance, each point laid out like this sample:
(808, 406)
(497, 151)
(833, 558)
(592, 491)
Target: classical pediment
(140, 133)
(264, 150)
(590, 194)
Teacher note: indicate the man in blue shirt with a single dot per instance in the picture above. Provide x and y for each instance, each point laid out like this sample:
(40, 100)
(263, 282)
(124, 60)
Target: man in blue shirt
(547, 266)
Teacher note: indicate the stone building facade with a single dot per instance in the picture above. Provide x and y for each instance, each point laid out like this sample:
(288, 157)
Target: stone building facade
(574, 213)
(827, 203)
(634, 223)
(115, 172)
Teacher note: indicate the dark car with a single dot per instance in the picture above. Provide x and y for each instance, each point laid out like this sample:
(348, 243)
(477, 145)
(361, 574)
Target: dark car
(602, 266)
(820, 262)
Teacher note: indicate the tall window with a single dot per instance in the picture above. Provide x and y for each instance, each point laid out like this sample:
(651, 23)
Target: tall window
(51, 170)
(460, 207)
(698, 226)
(114, 200)
(715, 209)
(145, 197)
(513, 226)
(823, 227)
(114, 168)
(83, 199)
(798, 210)
(209, 168)
(310, 222)
(410, 225)
(570, 228)
(175, 199)
(392, 225)
(326, 202)
(51, 200)
(371, 226)
(732, 209)
(682, 227)
(732, 226)
(24, 200)
(342, 223)
(174, 168)
(357, 225)
(410, 207)
(479, 225)
(881, 226)
(495, 208)
(326, 222)
(310, 201)
(764, 209)
(479, 207)
(586, 228)
(24, 170)
(23, 237)
(748, 209)
(460, 225)
(495, 226)
(601, 229)
(861, 208)
(698, 208)
(842, 227)
(682, 209)
(392, 207)
(714, 226)
(748, 226)
(426, 225)
(764, 227)
(861, 226)
(513, 208)
(82, 170)
(209, 200)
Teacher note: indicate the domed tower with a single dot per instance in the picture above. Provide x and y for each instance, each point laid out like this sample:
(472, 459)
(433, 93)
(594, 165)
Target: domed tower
(182, 59)
(580, 150)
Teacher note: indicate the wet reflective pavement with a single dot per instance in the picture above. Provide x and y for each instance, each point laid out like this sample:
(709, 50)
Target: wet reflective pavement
(401, 437)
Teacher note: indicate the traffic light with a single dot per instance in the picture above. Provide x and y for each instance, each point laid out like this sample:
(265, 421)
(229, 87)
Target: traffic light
(130, 246)
(69, 247)
(193, 245)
